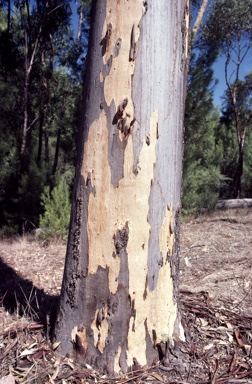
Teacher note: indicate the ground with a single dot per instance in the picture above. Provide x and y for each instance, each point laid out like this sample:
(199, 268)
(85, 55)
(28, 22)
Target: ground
(216, 296)
(216, 256)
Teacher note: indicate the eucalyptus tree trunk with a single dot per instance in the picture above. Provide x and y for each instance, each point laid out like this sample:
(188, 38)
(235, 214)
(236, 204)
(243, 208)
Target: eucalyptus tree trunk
(119, 300)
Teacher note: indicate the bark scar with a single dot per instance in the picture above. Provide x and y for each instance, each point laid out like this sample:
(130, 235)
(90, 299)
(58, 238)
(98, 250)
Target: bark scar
(122, 119)
(117, 47)
(132, 53)
(105, 41)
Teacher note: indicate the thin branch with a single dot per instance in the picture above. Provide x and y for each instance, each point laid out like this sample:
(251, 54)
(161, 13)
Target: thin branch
(80, 22)
(232, 95)
(34, 120)
(54, 9)
(245, 54)
(239, 61)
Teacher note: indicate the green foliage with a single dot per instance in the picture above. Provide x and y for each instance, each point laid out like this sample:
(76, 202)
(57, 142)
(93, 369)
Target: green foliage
(53, 105)
(55, 219)
(202, 176)
(8, 185)
(228, 21)
(247, 168)
(242, 91)
(31, 185)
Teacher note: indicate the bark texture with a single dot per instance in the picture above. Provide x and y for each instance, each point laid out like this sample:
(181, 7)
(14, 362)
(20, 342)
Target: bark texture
(119, 293)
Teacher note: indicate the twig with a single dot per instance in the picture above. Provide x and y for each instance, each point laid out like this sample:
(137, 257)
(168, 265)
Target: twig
(215, 372)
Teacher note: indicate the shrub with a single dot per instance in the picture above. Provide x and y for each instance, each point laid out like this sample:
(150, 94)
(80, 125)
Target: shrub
(54, 221)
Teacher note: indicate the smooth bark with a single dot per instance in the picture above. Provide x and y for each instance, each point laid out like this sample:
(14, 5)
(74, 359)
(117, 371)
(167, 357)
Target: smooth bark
(119, 301)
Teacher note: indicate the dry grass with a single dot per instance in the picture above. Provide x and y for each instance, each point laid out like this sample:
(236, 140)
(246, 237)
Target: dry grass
(215, 259)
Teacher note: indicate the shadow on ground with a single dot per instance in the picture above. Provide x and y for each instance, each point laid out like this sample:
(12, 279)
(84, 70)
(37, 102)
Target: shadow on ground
(18, 295)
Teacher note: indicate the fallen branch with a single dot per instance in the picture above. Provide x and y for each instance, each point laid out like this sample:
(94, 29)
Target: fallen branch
(234, 203)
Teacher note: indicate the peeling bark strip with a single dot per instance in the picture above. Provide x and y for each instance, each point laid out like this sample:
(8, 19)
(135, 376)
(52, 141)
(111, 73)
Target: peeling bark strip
(119, 301)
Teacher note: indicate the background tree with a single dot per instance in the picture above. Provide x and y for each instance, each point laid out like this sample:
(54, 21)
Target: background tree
(229, 30)
(241, 116)
(122, 256)
(41, 65)
(202, 176)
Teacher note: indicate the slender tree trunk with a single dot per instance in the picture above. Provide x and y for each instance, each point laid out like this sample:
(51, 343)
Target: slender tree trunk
(77, 44)
(59, 130)
(46, 135)
(57, 147)
(238, 173)
(25, 123)
(199, 17)
(9, 16)
(43, 103)
(119, 300)
(40, 136)
(45, 97)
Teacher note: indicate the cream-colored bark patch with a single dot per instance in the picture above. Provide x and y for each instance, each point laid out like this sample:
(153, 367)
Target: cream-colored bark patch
(95, 329)
(110, 208)
(123, 16)
(100, 328)
(158, 310)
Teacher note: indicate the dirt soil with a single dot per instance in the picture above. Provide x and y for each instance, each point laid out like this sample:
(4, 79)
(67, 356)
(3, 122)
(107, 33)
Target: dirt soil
(216, 257)
(216, 292)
